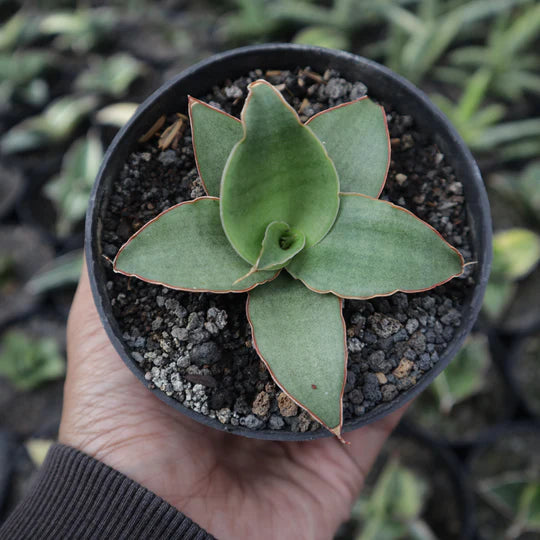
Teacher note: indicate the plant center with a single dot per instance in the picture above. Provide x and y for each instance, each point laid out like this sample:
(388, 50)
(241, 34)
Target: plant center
(287, 239)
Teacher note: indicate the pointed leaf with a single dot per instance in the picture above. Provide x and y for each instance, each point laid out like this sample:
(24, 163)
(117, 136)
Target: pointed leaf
(214, 135)
(280, 244)
(300, 336)
(279, 171)
(374, 249)
(356, 138)
(185, 248)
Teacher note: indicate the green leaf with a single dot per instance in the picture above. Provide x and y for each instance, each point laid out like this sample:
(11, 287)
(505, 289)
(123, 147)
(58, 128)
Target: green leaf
(515, 253)
(529, 187)
(517, 496)
(498, 294)
(214, 135)
(300, 336)
(112, 75)
(374, 249)
(53, 125)
(28, 362)
(63, 271)
(21, 67)
(322, 36)
(70, 190)
(356, 138)
(19, 30)
(185, 248)
(279, 246)
(279, 171)
(116, 114)
(392, 509)
(407, 493)
(507, 132)
(79, 30)
(529, 508)
(466, 374)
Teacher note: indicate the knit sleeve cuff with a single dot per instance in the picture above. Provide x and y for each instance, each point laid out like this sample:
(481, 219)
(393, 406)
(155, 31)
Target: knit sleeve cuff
(76, 496)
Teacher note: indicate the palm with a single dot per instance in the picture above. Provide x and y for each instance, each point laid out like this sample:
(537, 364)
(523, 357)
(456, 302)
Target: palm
(232, 486)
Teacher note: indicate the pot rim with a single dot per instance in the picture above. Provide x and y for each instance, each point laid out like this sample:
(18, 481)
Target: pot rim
(441, 130)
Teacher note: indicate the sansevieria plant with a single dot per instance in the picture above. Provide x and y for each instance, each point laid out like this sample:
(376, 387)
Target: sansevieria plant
(292, 216)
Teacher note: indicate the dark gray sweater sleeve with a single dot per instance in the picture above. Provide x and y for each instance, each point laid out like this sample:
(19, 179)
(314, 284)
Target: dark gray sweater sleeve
(76, 496)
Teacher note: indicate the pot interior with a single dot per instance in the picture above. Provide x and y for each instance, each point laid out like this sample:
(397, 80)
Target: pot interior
(383, 85)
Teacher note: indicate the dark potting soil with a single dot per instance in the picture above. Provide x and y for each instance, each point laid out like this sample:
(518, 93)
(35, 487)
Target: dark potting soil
(197, 347)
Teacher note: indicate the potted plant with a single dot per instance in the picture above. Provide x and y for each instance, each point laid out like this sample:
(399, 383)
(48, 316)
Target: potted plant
(189, 353)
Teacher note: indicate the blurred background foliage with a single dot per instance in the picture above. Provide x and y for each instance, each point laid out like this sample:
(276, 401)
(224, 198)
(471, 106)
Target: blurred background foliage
(72, 73)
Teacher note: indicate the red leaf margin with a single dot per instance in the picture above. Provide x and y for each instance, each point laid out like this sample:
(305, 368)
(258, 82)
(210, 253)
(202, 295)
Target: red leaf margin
(128, 274)
(191, 102)
(337, 430)
(462, 260)
(387, 136)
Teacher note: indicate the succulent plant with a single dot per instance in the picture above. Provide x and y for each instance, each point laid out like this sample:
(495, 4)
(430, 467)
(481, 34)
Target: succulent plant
(292, 216)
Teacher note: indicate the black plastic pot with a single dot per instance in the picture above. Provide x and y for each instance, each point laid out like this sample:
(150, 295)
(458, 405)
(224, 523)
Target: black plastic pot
(507, 406)
(384, 85)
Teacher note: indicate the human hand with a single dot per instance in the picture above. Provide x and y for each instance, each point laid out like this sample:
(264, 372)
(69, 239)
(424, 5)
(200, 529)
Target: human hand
(232, 486)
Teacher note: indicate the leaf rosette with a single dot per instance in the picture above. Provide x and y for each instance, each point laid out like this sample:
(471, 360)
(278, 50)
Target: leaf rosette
(292, 215)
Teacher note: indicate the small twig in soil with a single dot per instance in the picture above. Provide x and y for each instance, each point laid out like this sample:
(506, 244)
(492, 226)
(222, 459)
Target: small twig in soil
(153, 130)
(312, 75)
(303, 105)
(173, 133)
